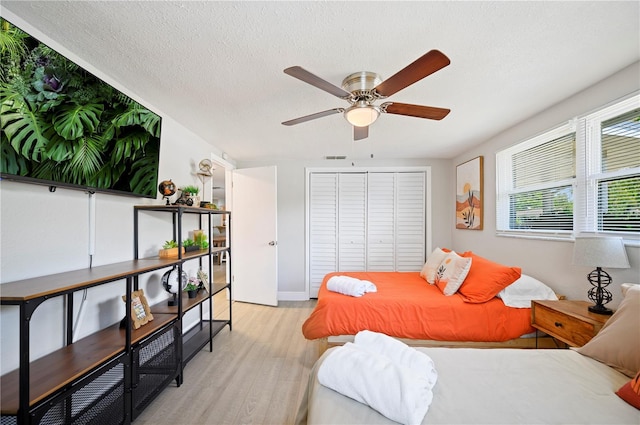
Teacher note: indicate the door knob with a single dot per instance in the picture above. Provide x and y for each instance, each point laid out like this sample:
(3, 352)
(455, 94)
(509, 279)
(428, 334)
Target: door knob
(273, 243)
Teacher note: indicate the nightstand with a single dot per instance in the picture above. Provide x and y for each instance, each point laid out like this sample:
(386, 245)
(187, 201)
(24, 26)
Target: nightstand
(566, 320)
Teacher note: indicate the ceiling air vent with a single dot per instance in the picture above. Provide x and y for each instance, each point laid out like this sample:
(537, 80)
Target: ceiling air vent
(335, 157)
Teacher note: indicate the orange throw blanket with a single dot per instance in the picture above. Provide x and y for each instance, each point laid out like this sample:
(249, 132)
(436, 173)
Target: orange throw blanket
(406, 306)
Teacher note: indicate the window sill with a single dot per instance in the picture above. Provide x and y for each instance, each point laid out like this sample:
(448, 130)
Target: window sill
(563, 237)
(538, 236)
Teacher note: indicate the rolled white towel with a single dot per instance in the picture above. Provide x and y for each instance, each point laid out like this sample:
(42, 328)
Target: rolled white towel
(393, 391)
(399, 353)
(348, 285)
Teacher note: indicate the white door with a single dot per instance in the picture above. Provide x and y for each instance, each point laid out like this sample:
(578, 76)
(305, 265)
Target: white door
(410, 221)
(381, 222)
(323, 228)
(352, 222)
(254, 236)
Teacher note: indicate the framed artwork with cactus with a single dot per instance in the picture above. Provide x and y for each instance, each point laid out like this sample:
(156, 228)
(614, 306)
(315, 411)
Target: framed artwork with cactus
(469, 191)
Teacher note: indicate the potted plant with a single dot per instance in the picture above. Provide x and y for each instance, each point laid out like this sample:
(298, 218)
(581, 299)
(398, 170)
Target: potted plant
(191, 194)
(200, 240)
(192, 287)
(169, 250)
(190, 245)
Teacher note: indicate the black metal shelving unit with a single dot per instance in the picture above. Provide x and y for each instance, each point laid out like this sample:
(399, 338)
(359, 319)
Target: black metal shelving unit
(86, 381)
(110, 376)
(206, 329)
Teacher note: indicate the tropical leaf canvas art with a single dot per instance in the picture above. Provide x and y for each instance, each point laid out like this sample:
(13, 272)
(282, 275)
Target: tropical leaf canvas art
(63, 126)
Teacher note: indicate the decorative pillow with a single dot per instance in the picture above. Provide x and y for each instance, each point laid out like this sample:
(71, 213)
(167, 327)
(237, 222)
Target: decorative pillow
(430, 268)
(630, 392)
(521, 292)
(618, 342)
(486, 279)
(452, 272)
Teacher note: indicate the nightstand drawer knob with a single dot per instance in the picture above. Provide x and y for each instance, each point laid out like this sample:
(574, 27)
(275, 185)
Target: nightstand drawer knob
(558, 324)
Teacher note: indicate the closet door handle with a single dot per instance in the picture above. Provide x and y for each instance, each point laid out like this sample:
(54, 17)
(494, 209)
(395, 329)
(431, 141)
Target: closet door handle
(273, 243)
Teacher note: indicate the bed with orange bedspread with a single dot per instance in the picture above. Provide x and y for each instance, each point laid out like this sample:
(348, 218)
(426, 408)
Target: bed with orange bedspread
(405, 306)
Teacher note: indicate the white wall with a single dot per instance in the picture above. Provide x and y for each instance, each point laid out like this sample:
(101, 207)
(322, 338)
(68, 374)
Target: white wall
(291, 212)
(549, 261)
(44, 233)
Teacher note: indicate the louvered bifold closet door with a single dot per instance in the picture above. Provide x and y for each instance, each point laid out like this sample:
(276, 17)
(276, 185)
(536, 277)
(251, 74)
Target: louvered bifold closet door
(352, 221)
(410, 221)
(381, 245)
(323, 228)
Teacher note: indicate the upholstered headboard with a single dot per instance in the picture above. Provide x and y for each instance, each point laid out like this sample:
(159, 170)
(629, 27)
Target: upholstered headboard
(625, 287)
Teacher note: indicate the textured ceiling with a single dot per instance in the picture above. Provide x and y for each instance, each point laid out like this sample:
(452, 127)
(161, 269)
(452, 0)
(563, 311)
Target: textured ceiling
(216, 67)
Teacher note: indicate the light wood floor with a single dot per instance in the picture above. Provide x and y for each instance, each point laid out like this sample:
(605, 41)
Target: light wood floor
(256, 374)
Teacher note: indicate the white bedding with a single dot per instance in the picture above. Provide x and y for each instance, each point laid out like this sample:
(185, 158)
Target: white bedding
(496, 386)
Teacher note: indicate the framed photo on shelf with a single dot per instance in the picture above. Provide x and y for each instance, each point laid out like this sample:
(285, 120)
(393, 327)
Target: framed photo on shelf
(469, 191)
(140, 311)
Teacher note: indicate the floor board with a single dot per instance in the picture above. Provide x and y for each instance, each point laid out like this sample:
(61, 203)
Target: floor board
(256, 373)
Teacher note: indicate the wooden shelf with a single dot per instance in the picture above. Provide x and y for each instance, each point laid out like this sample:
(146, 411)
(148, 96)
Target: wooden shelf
(196, 338)
(217, 287)
(61, 283)
(187, 304)
(179, 208)
(192, 255)
(52, 372)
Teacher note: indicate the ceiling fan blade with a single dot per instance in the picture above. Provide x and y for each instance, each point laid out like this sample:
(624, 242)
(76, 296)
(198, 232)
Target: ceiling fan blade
(313, 116)
(360, 133)
(418, 111)
(304, 75)
(427, 64)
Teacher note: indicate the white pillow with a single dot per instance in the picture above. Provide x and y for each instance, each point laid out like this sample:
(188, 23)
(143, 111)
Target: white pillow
(521, 292)
(452, 272)
(430, 268)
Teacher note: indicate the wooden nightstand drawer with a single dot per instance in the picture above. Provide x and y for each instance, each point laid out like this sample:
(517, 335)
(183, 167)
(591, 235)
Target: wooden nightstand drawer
(568, 321)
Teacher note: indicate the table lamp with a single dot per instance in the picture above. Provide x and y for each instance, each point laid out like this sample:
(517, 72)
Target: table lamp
(600, 252)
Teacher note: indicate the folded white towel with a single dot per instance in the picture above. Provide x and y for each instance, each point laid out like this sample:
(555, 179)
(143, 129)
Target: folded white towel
(348, 285)
(399, 353)
(372, 379)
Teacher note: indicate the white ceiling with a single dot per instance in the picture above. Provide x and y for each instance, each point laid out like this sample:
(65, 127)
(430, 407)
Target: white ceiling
(216, 67)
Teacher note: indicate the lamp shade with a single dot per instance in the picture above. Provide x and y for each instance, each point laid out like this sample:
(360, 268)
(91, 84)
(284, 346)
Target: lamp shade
(606, 252)
(361, 116)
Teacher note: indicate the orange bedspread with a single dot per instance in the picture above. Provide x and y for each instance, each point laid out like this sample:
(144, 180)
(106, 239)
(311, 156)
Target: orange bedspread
(406, 306)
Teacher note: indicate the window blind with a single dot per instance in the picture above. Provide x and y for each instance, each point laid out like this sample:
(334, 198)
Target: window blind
(582, 177)
(615, 177)
(536, 183)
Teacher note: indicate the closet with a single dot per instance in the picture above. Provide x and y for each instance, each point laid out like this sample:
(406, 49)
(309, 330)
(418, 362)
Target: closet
(365, 221)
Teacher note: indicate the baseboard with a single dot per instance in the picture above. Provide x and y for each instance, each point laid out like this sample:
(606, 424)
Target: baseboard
(292, 296)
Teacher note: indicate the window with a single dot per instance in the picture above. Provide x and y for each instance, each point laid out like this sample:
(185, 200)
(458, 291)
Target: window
(612, 170)
(582, 177)
(535, 183)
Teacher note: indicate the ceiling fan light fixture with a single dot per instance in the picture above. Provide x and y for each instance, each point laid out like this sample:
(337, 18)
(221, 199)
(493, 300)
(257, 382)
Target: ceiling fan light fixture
(362, 115)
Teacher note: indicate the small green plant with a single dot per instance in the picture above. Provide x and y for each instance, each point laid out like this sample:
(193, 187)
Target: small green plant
(170, 244)
(191, 189)
(200, 239)
(188, 242)
(191, 287)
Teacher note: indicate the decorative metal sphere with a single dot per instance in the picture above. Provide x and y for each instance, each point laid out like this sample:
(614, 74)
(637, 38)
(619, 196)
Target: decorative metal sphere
(172, 283)
(601, 275)
(167, 188)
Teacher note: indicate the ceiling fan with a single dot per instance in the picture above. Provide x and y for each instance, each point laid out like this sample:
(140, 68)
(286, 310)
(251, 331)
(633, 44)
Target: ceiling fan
(362, 89)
